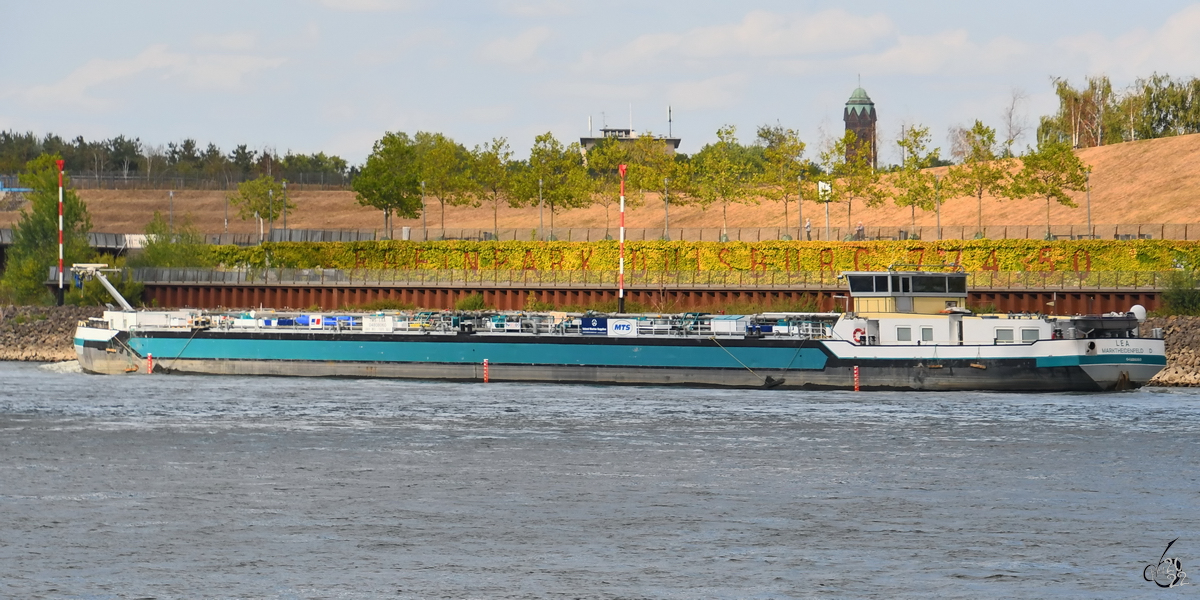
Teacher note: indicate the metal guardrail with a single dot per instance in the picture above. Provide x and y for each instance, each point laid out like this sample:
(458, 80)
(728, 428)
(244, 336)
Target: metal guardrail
(1055, 280)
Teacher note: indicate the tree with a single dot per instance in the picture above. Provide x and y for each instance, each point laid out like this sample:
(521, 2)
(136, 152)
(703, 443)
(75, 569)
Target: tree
(783, 154)
(35, 236)
(603, 162)
(183, 247)
(125, 153)
(390, 179)
(652, 166)
(563, 179)
(1050, 172)
(979, 170)
(914, 185)
(849, 175)
(721, 173)
(260, 198)
(491, 176)
(1014, 122)
(443, 165)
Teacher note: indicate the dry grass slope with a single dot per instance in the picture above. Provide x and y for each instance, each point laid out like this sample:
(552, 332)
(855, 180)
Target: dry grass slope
(1152, 181)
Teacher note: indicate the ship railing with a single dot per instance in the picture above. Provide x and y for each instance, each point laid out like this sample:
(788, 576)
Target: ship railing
(634, 279)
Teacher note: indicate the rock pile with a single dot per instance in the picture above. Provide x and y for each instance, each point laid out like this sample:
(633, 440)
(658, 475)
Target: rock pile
(41, 333)
(1183, 350)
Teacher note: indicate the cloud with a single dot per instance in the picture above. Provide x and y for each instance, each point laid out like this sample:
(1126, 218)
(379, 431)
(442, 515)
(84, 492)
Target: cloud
(941, 53)
(1172, 47)
(723, 91)
(197, 71)
(516, 50)
(243, 40)
(758, 35)
(537, 8)
(368, 5)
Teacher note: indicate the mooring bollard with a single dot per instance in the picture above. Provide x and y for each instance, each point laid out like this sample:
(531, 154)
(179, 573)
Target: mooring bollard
(485, 370)
(856, 378)
(149, 363)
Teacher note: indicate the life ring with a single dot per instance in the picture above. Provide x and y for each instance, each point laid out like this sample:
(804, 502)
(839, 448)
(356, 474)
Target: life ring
(859, 335)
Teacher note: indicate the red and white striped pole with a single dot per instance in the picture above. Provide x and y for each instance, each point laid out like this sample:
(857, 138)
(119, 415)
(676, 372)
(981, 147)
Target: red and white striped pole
(856, 378)
(485, 370)
(621, 273)
(61, 163)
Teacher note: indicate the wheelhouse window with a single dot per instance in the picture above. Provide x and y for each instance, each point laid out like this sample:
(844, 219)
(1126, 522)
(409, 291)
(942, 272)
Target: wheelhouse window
(904, 334)
(929, 284)
(1004, 335)
(862, 283)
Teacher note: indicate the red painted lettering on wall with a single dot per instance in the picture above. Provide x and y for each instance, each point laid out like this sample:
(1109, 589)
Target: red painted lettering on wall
(530, 263)
(556, 259)
(1087, 261)
(758, 261)
(471, 260)
(417, 260)
(359, 261)
(496, 262)
(991, 263)
(721, 257)
(826, 259)
(920, 260)
(1045, 257)
(585, 257)
(859, 253)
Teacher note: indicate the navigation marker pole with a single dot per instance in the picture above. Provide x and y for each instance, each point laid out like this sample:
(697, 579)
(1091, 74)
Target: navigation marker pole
(621, 273)
(60, 163)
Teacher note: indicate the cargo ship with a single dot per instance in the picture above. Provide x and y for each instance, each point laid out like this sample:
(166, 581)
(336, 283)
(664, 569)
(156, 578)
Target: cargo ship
(905, 330)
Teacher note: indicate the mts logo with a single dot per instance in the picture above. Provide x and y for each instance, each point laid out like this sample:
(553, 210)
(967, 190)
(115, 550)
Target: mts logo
(622, 327)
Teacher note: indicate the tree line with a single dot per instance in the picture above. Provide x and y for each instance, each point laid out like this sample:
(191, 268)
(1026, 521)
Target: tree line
(405, 175)
(125, 157)
(1096, 114)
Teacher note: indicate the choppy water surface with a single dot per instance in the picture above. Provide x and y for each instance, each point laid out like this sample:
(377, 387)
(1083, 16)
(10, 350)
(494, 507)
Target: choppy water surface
(172, 486)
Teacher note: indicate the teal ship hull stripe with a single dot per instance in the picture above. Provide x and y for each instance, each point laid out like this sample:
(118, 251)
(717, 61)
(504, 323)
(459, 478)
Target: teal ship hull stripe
(1076, 361)
(545, 353)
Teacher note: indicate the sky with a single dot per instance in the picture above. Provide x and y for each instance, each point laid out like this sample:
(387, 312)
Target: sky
(333, 75)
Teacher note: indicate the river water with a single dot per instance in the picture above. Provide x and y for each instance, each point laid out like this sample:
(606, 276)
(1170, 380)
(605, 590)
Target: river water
(176, 486)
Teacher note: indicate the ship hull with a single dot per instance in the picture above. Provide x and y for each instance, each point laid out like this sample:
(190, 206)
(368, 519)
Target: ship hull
(1048, 366)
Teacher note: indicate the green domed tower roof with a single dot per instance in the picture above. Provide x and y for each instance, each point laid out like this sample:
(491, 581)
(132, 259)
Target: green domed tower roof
(859, 102)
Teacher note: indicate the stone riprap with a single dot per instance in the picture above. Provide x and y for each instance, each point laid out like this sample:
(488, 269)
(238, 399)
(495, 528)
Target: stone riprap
(41, 333)
(1183, 350)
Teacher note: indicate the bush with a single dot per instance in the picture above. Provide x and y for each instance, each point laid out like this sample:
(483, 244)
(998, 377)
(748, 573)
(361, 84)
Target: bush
(1182, 296)
(470, 302)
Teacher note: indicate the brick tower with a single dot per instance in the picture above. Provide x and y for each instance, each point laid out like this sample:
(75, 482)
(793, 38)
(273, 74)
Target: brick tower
(860, 118)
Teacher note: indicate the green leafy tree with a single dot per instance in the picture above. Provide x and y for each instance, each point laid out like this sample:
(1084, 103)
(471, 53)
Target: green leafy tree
(914, 185)
(390, 180)
(603, 162)
(1050, 172)
(979, 171)
(443, 167)
(848, 172)
(783, 155)
(652, 166)
(491, 176)
(722, 174)
(564, 179)
(183, 247)
(261, 198)
(35, 236)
